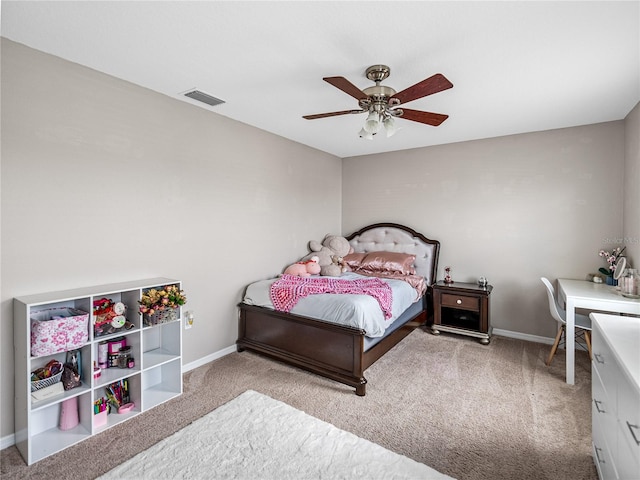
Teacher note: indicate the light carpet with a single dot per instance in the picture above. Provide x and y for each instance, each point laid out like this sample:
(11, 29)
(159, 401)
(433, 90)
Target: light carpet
(256, 437)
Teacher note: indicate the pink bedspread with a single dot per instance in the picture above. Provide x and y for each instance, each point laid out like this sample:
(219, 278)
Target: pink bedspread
(286, 291)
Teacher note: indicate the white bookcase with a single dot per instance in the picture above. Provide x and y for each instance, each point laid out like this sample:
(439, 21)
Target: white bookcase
(155, 378)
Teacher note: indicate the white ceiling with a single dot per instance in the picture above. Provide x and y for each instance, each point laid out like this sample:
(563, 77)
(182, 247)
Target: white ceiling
(516, 66)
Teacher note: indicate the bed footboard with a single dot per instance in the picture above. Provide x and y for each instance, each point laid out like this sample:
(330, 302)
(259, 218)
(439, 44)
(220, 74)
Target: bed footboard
(333, 351)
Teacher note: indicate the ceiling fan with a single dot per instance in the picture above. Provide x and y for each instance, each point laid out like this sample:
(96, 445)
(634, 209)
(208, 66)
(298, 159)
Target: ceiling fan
(381, 102)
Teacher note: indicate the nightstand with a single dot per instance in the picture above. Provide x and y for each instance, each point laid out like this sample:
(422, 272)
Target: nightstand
(462, 308)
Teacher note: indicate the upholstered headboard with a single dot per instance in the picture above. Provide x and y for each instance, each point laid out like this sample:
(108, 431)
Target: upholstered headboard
(392, 237)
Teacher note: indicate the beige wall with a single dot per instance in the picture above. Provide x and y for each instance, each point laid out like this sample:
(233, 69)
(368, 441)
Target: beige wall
(104, 181)
(631, 236)
(511, 208)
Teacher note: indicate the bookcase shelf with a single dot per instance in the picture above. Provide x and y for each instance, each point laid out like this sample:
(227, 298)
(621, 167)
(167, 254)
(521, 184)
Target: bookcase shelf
(154, 378)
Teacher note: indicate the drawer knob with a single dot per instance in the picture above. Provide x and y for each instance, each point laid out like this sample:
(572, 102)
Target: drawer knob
(598, 358)
(459, 302)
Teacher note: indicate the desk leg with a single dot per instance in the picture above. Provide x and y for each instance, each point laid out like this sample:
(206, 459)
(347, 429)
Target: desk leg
(570, 340)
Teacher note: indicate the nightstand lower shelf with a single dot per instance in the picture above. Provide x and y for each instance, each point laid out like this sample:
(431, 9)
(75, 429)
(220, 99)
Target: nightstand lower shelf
(485, 338)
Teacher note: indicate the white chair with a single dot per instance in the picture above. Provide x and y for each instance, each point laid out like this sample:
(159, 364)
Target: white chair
(582, 324)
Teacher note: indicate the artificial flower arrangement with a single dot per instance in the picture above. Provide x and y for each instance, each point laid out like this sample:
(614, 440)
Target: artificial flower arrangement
(611, 259)
(158, 300)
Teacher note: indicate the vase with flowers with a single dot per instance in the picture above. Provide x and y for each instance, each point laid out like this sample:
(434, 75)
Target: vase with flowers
(612, 261)
(161, 305)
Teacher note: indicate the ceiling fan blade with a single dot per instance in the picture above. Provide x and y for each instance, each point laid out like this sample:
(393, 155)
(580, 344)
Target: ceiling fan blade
(347, 87)
(330, 114)
(431, 85)
(429, 118)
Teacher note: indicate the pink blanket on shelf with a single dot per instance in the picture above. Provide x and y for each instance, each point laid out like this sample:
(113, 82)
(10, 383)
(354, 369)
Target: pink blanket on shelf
(286, 291)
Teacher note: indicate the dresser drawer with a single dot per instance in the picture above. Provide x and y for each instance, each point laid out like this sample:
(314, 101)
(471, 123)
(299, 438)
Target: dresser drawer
(460, 301)
(602, 454)
(629, 419)
(605, 363)
(602, 413)
(627, 459)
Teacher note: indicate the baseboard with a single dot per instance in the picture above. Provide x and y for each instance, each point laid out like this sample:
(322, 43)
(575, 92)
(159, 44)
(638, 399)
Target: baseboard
(523, 336)
(533, 338)
(6, 442)
(209, 358)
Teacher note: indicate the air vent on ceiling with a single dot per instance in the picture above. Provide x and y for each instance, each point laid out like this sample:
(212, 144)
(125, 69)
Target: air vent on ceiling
(204, 98)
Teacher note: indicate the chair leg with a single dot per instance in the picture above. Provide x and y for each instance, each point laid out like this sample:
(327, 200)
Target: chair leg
(554, 348)
(587, 338)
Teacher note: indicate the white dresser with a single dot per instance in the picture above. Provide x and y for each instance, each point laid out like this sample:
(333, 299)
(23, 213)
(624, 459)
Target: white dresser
(616, 396)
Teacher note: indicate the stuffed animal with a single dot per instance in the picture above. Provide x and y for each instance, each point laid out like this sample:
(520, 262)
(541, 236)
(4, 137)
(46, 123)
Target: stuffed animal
(332, 245)
(339, 261)
(305, 268)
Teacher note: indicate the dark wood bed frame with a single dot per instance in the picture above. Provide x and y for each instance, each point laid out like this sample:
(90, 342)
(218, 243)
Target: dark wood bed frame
(328, 349)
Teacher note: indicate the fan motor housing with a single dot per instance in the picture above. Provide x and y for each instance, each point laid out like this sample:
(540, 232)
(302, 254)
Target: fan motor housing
(379, 91)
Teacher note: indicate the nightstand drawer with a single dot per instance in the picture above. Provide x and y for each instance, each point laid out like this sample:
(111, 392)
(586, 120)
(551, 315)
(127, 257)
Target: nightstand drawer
(460, 301)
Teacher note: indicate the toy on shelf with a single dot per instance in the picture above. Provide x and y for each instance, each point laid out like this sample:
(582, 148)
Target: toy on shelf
(109, 317)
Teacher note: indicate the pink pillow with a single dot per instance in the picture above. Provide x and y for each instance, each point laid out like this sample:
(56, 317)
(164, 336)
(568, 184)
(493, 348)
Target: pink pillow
(353, 260)
(374, 262)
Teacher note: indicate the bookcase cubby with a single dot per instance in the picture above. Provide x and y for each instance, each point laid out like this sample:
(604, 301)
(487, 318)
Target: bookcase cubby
(154, 377)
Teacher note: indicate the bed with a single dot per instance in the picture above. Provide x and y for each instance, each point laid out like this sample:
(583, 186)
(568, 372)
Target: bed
(341, 352)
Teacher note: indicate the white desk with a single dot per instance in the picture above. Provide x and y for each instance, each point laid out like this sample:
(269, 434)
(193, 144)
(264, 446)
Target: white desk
(590, 296)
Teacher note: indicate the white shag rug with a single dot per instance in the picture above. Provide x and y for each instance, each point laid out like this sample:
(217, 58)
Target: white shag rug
(256, 437)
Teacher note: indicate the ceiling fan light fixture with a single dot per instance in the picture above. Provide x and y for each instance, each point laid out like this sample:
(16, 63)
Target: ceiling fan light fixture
(389, 126)
(372, 123)
(364, 134)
